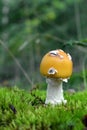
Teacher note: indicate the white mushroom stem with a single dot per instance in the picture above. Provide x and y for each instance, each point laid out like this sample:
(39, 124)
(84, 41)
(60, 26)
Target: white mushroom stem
(54, 92)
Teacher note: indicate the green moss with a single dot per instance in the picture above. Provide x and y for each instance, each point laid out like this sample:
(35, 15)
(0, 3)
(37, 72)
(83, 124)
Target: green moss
(23, 110)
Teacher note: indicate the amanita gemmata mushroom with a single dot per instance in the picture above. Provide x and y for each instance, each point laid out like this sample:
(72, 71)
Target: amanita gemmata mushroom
(56, 66)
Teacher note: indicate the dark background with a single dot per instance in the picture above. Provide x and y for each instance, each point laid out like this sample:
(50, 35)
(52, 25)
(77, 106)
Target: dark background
(31, 28)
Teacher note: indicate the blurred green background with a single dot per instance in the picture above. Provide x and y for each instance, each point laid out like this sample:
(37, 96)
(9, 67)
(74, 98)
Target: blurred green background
(31, 28)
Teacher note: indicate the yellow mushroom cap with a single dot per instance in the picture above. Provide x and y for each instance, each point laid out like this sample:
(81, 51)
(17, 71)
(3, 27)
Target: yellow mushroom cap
(56, 64)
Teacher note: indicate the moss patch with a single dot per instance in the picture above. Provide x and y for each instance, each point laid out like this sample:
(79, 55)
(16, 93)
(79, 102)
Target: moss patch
(23, 110)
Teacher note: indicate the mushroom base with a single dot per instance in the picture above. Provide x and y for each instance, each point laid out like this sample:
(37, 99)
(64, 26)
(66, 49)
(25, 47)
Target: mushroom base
(54, 92)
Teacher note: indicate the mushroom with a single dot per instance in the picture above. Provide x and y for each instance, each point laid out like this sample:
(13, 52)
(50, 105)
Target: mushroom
(56, 66)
